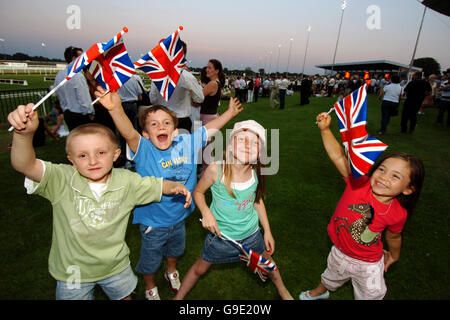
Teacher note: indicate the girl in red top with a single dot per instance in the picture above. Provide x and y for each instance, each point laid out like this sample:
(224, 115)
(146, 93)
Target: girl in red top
(370, 205)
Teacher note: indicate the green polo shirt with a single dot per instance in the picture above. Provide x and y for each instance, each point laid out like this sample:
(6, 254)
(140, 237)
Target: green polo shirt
(88, 242)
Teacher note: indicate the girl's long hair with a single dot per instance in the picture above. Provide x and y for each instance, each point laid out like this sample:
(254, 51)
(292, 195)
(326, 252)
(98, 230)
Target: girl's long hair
(228, 173)
(416, 176)
(218, 66)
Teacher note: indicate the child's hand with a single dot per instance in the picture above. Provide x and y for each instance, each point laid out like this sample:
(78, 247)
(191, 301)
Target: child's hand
(323, 121)
(388, 260)
(110, 101)
(234, 106)
(178, 188)
(209, 222)
(269, 241)
(24, 120)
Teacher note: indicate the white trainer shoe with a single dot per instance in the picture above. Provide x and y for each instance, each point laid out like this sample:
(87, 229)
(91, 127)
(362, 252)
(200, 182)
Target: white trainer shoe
(152, 294)
(174, 280)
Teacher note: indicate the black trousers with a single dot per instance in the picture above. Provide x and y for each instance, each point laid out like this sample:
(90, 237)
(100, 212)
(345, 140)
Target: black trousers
(409, 114)
(304, 97)
(443, 107)
(282, 95)
(255, 93)
(386, 111)
(74, 119)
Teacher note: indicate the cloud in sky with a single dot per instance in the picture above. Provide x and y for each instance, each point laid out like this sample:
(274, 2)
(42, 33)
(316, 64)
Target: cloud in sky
(239, 33)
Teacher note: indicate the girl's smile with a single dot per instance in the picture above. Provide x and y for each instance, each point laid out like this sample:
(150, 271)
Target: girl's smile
(390, 179)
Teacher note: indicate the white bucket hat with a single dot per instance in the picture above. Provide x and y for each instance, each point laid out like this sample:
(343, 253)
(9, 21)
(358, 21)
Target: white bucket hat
(253, 126)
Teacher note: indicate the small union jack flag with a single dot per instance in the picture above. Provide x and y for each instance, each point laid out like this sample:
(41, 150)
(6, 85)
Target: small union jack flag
(362, 150)
(164, 64)
(92, 53)
(257, 263)
(113, 67)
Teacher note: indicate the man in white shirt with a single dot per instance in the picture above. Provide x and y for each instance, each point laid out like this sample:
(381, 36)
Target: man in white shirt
(74, 96)
(187, 90)
(283, 84)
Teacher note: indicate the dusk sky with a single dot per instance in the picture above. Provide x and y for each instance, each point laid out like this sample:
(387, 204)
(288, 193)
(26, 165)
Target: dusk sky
(240, 33)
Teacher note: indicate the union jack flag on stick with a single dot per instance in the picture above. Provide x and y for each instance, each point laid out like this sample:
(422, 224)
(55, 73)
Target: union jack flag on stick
(112, 68)
(81, 62)
(255, 261)
(164, 64)
(362, 150)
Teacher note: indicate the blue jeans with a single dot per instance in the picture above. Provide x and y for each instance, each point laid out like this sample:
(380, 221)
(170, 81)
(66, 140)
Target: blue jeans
(158, 242)
(217, 250)
(116, 287)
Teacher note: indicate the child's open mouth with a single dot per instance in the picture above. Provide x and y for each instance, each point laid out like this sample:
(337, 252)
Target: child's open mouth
(162, 138)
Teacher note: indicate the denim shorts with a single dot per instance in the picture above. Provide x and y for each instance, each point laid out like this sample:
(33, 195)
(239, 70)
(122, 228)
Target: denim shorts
(219, 250)
(159, 242)
(116, 287)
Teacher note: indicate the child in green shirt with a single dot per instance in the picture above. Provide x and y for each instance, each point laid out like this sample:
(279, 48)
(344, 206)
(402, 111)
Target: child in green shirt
(91, 205)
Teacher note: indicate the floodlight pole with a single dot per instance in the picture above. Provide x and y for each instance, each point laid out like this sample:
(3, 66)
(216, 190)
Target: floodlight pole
(278, 59)
(343, 6)
(306, 49)
(417, 41)
(289, 55)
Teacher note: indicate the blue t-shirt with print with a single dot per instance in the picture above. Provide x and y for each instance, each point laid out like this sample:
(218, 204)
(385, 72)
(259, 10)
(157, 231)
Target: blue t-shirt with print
(178, 164)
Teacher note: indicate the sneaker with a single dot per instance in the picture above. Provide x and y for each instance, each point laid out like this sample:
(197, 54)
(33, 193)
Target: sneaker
(152, 294)
(174, 280)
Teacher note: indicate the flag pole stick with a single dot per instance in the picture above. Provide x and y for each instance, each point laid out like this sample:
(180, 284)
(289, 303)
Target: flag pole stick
(43, 99)
(329, 111)
(96, 100)
(226, 237)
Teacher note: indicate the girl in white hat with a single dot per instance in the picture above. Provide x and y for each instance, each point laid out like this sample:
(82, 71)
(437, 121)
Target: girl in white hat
(237, 208)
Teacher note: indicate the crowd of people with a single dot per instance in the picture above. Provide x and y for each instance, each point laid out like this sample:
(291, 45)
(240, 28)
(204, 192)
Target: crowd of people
(92, 200)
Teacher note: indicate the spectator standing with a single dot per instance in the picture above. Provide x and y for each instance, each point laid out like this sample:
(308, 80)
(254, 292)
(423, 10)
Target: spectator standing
(256, 87)
(444, 102)
(429, 100)
(305, 91)
(415, 92)
(389, 107)
(74, 96)
(265, 90)
(282, 87)
(250, 86)
(237, 87)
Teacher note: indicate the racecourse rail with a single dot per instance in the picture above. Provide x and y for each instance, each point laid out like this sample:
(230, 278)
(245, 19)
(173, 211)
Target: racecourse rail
(10, 99)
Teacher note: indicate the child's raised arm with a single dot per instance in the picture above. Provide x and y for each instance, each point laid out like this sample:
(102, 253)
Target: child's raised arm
(209, 177)
(332, 146)
(113, 104)
(23, 158)
(234, 108)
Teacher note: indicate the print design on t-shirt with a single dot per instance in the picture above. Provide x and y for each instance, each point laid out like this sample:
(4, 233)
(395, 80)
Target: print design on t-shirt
(359, 225)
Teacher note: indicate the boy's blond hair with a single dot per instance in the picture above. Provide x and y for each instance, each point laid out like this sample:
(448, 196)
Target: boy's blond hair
(143, 114)
(92, 128)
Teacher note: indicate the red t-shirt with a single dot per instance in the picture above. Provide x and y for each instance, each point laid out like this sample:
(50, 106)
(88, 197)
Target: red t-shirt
(344, 224)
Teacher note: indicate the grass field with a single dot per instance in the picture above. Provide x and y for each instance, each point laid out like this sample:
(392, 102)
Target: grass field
(300, 200)
(35, 81)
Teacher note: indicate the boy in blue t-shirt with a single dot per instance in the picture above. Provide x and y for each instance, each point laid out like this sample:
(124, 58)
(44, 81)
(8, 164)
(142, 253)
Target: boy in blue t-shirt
(161, 152)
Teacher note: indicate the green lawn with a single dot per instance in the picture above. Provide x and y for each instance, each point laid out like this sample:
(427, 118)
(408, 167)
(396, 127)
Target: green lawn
(35, 81)
(300, 200)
